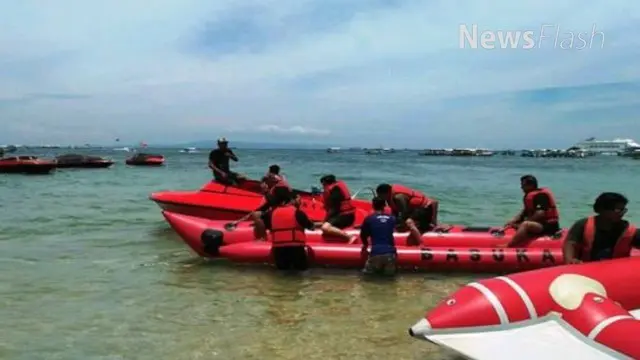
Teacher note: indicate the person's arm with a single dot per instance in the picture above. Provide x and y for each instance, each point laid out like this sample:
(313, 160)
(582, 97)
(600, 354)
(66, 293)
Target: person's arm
(402, 206)
(268, 203)
(541, 203)
(575, 239)
(231, 155)
(212, 163)
(303, 220)
(333, 206)
(516, 219)
(365, 233)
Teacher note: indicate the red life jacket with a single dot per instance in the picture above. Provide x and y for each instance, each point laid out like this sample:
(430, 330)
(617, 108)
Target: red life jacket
(416, 198)
(278, 182)
(622, 247)
(285, 230)
(346, 206)
(551, 215)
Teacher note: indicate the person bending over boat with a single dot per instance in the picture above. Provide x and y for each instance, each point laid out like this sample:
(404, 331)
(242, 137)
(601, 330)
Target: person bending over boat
(287, 223)
(603, 236)
(413, 209)
(340, 211)
(272, 178)
(539, 215)
(379, 227)
(219, 164)
(271, 199)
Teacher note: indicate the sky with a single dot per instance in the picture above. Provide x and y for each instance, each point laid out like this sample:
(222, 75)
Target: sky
(338, 72)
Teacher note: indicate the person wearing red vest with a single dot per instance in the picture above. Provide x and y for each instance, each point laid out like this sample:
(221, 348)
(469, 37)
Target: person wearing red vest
(539, 215)
(413, 209)
(272, 178)
(340, 211)
(604, 236)
(287, 224)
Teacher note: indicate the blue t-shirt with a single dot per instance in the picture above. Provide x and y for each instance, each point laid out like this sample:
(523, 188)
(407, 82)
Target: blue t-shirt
(379, 228)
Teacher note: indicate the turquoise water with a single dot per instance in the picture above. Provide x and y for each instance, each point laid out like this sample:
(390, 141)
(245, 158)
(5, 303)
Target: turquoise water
(90, 270)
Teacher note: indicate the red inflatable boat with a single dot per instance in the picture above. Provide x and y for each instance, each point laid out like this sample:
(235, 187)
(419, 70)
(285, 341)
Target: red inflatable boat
(456, 248)
(221, 202)
(200, 234)
(586, 311)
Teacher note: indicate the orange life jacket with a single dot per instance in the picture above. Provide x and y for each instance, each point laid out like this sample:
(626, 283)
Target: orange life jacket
(551, 215)
(416, 198)
(622, 247)
(346, 206)
(285, 230)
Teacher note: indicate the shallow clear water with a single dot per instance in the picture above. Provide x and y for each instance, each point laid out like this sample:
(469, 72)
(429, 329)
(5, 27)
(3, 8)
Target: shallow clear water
(90, 270)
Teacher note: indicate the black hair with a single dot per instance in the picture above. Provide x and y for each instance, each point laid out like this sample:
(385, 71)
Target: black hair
(529, 180)
(281, 194)
(274, 169)
(608, 201)
(383, 189)
(378, 203)
(328, 179)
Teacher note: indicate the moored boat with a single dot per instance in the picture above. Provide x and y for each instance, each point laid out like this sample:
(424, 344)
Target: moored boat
(585, 311)
(26, 165)
(82, 161)
(146, 160)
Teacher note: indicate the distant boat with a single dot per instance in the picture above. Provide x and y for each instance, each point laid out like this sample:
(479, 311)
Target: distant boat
(125, 149)
(189, 150)
(606, 147)
(333, 150)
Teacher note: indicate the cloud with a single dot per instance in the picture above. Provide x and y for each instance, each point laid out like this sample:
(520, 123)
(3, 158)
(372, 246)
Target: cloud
(364, 72)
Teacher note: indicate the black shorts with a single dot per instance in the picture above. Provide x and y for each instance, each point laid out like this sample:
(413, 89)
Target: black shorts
(290, 258)
(423, 217)
(342, 221)
(231, 179)
(549, 228)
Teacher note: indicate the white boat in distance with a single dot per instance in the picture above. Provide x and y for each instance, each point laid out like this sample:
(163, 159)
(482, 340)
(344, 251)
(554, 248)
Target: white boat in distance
(189, 150)
(607, 147)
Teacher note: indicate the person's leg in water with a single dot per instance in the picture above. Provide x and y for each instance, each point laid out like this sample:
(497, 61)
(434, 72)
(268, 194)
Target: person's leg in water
(527, 230)
(259, 228)
(333, 226)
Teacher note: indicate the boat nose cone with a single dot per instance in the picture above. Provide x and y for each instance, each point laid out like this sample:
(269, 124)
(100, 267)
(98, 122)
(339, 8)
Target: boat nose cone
(420, 329)
(212, 240)
(468, 307)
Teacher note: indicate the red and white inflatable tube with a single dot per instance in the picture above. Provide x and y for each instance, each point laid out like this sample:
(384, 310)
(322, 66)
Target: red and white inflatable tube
(594, 299)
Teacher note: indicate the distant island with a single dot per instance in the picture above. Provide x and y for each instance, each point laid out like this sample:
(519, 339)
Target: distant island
(209, 144)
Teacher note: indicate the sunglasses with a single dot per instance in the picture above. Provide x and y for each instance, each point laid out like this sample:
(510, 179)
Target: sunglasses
(620, 211)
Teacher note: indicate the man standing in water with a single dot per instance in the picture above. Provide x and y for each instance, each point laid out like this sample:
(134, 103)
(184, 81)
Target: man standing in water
(219, 163)
(604, 236)
(379, 227)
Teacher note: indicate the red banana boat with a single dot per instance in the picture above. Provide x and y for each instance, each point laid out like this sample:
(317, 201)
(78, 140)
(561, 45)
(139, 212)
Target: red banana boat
(223, 202)
(26, 165)
(145, 160)
(586, 311)
(448, 247)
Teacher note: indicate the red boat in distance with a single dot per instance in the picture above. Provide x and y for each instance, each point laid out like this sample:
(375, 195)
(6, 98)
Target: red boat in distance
(217, 201)
(26, 165)
(145, 160)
